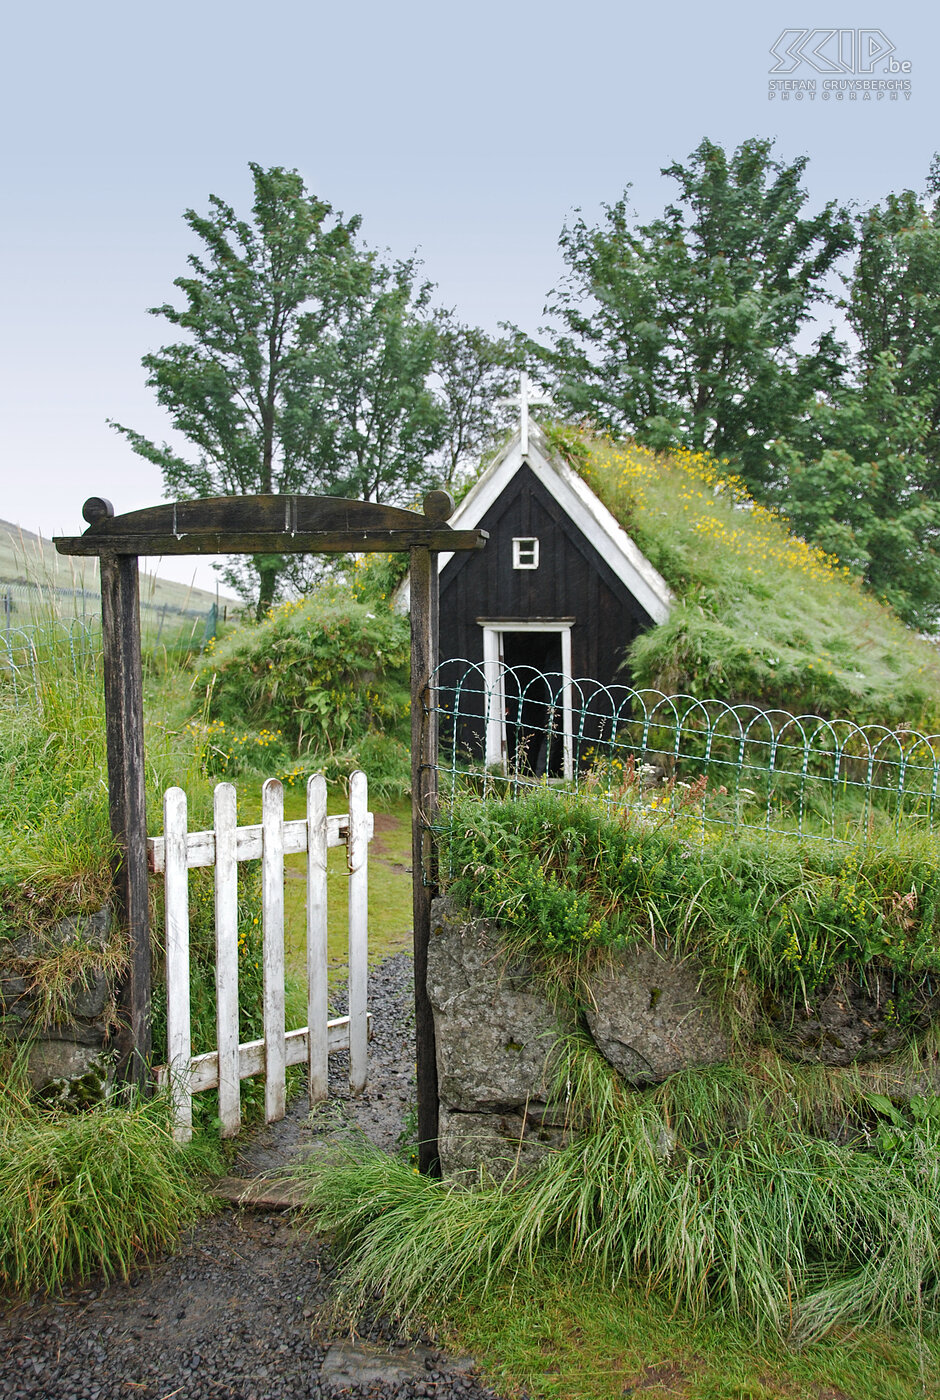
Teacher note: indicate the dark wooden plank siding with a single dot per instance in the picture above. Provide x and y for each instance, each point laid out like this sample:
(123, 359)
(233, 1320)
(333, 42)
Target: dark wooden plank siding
(573, 580)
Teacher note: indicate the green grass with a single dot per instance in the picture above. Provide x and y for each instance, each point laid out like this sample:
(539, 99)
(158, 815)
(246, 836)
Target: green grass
(760, 617)
(87, 1192)
(562, 1337)
(54, 822)
(696, 1241)
(711, 1191)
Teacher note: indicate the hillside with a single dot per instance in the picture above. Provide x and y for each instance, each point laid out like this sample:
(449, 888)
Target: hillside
(760, 616)
(28, 559)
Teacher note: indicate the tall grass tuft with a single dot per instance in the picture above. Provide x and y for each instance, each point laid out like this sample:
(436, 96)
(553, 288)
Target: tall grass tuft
(87, 1193)
(702, 1190)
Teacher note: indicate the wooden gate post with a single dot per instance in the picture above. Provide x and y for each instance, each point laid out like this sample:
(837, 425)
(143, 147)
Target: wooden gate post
(124, 724)
(425, 594)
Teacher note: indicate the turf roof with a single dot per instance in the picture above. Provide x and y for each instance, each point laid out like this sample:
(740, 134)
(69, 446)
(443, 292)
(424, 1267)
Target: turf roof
(760, 616)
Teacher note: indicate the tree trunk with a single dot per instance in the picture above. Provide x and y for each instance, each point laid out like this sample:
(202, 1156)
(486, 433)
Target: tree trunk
(268, 574)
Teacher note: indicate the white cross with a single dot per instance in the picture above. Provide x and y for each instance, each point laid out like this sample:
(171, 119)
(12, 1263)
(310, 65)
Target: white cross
(523, 401)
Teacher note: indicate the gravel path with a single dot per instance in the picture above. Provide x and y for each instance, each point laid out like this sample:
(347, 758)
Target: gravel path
(235, 1313)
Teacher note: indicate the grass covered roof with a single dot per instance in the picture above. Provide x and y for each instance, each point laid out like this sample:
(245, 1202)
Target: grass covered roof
(760, 616)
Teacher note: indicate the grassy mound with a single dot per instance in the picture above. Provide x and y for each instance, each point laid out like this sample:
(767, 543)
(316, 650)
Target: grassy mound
(321, 683)
(760, 616)
(564, 879)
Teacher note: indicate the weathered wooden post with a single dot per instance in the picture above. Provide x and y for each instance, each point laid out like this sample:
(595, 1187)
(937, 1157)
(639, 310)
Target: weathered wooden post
(124, 722)
(425, 595)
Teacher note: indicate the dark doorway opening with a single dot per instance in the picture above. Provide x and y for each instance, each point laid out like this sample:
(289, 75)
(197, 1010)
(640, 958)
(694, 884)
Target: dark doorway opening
(533, 693)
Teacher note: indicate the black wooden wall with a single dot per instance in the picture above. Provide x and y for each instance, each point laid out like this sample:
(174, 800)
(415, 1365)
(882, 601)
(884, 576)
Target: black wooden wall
(573, 580)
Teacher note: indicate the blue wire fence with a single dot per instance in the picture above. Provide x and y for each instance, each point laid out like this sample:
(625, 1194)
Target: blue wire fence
(505, 730)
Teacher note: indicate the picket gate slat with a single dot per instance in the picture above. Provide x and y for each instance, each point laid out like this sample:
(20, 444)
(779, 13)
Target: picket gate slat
(178, 851)
(357, 859)
(204, 1069)
(179, 1039)
(225, 821)
(272, 923)
(318, 1052)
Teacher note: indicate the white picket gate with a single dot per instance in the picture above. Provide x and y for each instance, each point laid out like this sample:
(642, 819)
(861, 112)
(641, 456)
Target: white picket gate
(175, 854)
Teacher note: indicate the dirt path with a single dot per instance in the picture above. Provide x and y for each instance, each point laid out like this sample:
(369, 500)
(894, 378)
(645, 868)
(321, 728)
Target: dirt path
(236, 1313)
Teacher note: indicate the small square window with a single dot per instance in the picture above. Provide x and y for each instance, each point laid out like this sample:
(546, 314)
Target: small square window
(525, 553)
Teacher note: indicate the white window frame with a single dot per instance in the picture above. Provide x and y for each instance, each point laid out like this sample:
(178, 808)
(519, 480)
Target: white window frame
(531, 544)
(494, 669)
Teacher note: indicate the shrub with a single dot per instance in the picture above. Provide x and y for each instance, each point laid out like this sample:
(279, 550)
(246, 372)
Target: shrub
(318, 675)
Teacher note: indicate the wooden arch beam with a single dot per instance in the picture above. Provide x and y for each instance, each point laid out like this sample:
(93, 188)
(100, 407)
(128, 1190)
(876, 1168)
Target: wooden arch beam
(269, 525)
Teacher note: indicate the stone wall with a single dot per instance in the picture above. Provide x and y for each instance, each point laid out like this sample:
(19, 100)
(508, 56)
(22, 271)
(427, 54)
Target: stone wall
(497, 1035)
(69, 1057)
(649, 1015)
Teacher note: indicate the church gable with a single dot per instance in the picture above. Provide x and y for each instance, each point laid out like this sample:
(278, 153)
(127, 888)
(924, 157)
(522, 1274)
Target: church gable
(537, 563)
(560, 586)
(589, 520)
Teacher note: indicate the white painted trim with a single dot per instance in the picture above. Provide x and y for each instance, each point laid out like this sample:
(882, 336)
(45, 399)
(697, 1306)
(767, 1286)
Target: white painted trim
(579, 503)
(494, 670)
(531, 543)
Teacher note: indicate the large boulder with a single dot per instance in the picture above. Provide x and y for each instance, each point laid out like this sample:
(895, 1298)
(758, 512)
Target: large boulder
(496, 1031)
(497, 1034)
(649, 1016)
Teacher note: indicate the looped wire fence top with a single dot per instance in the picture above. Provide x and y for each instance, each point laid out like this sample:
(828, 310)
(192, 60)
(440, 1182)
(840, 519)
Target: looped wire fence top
(25, 646)
(506, 729)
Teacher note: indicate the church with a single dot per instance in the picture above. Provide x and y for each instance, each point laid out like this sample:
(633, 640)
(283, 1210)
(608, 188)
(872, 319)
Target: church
(556, 596)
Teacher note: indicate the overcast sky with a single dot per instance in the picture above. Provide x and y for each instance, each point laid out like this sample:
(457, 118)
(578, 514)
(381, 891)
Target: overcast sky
(467, 133)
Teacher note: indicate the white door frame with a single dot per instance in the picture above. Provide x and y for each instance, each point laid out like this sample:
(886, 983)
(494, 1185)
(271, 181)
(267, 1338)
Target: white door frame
(494, 668)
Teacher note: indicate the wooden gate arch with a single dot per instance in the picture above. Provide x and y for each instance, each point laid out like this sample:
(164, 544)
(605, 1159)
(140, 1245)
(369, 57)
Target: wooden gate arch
(269, 524)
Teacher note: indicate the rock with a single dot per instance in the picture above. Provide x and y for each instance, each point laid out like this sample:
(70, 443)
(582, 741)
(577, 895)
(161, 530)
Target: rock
(495, 1031)
(89, 930)
(649, 1016)
(349, 1364)
(852, 1023)
(61, 1064)
(68, 1048)
(14, 997)
(89, 995)
(501, 1143)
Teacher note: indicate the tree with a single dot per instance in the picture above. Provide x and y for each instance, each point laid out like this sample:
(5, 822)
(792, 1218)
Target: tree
(859, 485)
(684, 330)
(376, 356)
(305, 363)
(473, 374)
(894, 296)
